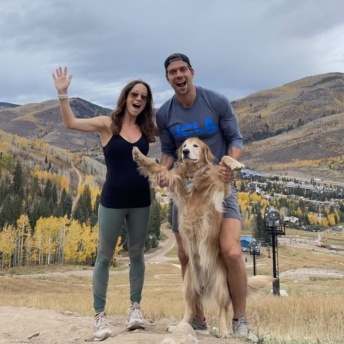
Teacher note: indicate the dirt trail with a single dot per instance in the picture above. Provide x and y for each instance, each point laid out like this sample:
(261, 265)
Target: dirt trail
(164, 247)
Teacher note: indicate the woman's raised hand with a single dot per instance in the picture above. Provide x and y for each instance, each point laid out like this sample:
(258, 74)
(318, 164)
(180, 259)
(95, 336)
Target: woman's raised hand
(61, 80)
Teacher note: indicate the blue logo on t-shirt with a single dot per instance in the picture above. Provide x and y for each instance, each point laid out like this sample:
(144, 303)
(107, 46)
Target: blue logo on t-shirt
(193, 129)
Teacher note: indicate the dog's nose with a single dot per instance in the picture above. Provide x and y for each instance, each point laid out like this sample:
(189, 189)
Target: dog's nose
(186, 152)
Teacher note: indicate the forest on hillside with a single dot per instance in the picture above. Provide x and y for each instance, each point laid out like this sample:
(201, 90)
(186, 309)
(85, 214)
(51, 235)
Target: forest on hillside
(47, 216)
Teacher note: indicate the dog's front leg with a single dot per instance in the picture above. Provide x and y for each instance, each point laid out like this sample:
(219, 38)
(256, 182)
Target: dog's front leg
(146, 166)
(222, 296)
(190, 297)
(223, 330)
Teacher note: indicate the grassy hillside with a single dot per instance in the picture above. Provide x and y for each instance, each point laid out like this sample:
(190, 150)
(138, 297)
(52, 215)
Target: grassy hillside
(290, 106)
(314, 149)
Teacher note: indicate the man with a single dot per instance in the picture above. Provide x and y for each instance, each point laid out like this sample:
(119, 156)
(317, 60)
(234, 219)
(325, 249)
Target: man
(195, 111)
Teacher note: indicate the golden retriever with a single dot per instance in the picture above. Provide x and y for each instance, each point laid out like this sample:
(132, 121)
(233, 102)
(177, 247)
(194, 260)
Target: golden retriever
(198, 193)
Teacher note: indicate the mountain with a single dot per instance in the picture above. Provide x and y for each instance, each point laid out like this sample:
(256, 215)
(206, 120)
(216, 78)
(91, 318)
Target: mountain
(295, 128)
(43, 121)
(271, 112)
(4, 105)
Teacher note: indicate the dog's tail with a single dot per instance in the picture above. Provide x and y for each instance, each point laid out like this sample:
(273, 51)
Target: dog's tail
(257, 283)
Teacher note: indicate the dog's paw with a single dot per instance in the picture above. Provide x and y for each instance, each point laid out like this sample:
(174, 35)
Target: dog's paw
(136, 154)
(233, 164)
(236, 166)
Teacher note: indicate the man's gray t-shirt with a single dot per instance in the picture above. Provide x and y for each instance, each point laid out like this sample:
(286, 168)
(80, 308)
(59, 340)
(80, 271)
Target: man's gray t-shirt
(210, 118)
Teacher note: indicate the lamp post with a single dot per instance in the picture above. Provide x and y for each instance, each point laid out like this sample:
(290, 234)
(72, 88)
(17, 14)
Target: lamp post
(254, 251)
(274, 228)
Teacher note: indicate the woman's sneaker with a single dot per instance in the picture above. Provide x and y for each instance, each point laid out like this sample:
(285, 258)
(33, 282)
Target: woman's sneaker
(135, 320)
(102, 328)
(242, 329)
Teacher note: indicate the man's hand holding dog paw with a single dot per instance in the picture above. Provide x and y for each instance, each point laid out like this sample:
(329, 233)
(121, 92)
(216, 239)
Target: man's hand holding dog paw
(226, 174)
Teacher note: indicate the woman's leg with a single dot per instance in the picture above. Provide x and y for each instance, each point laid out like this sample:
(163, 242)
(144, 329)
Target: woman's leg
(110, 222)
(137, 221)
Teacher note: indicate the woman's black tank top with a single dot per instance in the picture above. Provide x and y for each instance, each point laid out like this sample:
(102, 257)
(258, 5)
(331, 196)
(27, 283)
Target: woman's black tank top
(124, 187)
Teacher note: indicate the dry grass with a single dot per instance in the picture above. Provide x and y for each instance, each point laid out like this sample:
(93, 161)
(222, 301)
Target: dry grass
(312, 313)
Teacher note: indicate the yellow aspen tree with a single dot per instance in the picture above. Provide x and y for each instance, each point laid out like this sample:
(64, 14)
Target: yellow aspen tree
(331, 219)
(243, 198)
(324, 222)
(337, 217)
(313, 218)
(38, 242)
(8, 245)
(63, 223)
(4, 146)
(41, 144)
(299, 212)
(63, 183)
(51, 227)
(23, 233)
(88, 243)
(22, 142)
(73, 238)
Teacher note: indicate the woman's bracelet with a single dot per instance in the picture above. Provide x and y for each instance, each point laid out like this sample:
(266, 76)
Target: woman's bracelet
(62, 96)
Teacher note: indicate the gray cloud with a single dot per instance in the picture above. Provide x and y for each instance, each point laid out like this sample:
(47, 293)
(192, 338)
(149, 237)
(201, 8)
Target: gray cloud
(236, 47)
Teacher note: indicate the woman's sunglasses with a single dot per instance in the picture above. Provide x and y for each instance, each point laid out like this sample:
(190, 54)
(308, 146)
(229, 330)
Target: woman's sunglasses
(135, 94)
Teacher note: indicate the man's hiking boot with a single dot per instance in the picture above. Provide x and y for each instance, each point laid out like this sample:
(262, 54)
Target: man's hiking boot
(199, 324)
(242, 328)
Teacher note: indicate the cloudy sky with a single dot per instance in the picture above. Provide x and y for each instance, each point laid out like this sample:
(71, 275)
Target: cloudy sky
(237, 47)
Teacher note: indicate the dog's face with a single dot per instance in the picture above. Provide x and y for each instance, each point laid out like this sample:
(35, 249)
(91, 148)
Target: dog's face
(193, 150)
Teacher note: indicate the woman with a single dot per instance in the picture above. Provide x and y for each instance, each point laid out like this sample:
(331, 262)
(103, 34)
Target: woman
(125, 194)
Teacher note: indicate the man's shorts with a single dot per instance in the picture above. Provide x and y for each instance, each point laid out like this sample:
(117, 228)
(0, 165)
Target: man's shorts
(230, 209)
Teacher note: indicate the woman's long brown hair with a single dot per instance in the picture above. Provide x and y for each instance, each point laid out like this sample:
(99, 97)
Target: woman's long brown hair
(145, 120)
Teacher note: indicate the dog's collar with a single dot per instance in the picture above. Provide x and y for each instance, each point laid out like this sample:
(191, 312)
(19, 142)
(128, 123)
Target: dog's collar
(188, 180)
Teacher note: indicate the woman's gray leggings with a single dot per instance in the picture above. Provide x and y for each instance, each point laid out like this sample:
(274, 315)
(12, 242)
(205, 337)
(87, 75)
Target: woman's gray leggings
(110, 222)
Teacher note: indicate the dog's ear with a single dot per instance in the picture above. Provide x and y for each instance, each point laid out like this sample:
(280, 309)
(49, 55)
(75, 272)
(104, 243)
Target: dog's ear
(179, 153)
(208, 155)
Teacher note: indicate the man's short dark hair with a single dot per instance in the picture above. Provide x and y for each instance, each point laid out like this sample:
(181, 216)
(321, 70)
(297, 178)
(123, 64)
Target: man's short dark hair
(176, 57)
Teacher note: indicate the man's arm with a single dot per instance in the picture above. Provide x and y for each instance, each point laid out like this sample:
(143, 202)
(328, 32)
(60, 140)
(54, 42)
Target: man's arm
(235, 152)
(167, 162)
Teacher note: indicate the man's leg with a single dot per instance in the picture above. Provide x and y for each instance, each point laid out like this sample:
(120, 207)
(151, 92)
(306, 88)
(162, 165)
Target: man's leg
(236, 272)
(231, 252)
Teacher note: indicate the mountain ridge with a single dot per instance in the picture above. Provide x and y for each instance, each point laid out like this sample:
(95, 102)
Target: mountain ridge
(298, 121)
